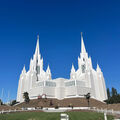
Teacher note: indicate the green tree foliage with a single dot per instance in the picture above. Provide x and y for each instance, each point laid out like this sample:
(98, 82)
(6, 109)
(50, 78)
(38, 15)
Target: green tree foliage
(114, 97)
(1, 103)
(87, 96)
(108, 93)
(26, 97)
(114, 92)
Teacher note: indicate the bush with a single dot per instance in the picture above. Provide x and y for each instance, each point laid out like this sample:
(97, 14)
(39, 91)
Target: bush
(26, 97)
(70, 105)
(56, 107)
(13, 102)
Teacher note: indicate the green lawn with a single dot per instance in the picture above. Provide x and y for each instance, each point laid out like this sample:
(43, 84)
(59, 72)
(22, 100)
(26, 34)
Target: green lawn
(52, 116)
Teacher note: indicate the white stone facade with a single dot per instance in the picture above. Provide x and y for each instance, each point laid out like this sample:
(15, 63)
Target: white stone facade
(85, 79)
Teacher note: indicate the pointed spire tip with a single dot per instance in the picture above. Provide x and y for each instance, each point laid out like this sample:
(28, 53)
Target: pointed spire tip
(81, 33)
(37, 37)
(83, 50)
(37, 52)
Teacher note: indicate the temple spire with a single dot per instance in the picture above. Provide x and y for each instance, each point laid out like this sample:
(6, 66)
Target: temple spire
(98, 68)
(24, 70)
(72, 74)
(73, 69)
(48, 73)
(48, 69)
(37, 51)
(83, 50)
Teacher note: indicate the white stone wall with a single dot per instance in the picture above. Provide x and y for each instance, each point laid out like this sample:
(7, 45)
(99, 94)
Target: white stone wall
(63, 88)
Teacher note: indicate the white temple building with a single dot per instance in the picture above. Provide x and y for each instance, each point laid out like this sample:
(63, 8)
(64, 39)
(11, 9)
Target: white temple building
(38, 82)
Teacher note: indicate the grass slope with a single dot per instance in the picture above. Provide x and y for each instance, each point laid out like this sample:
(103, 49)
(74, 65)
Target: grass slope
(53, 116)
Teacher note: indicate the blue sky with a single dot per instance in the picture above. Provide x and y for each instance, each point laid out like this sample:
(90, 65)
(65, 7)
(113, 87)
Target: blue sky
(58, 24)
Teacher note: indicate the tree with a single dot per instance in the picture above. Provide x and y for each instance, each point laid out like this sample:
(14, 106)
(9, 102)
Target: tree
(114, 92)
(26, 97)
(114, 97)
(109, 97)
(108, 93)
(1, 103)
(87, 96)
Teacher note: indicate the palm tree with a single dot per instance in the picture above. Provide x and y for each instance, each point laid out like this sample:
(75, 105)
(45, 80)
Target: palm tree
(87, 96)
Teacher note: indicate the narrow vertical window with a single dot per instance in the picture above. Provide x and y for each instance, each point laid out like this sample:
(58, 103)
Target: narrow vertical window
(83, 68)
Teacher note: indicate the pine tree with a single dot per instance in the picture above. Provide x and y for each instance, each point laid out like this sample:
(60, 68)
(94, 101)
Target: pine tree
(108, 93)
(1, 103)
(114, 92)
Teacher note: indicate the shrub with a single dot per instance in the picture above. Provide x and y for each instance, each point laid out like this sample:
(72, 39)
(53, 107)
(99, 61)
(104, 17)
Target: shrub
(56, 107)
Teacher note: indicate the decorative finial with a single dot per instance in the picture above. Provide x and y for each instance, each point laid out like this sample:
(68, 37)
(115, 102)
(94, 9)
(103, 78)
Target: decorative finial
(81, 33)
(37, 50)
(38, 37)
(83, 50)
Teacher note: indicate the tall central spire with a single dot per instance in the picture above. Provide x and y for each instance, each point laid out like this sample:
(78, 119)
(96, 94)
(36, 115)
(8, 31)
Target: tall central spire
(37, 52)
(83, 50)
